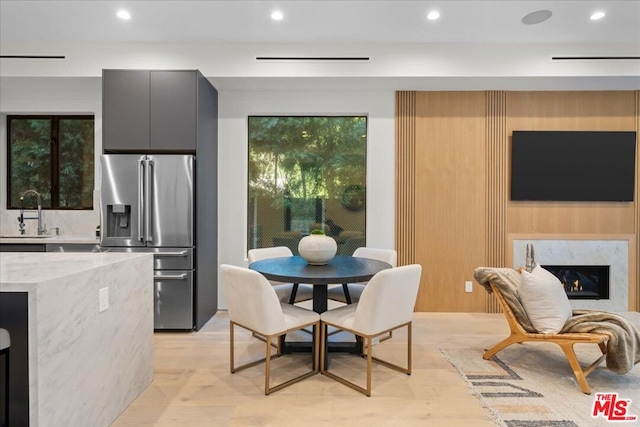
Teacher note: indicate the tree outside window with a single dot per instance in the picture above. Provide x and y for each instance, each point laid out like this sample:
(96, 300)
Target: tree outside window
(53, 155)
(304, 173)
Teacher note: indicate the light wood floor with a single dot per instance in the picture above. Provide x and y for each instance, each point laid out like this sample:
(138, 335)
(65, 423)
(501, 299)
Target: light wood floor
(193, 385)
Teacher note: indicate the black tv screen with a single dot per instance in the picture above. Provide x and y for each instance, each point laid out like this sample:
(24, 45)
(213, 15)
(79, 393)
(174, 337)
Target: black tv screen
(573, 166)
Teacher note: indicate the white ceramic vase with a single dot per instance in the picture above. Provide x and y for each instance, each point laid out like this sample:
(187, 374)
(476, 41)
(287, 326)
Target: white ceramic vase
(317, 249)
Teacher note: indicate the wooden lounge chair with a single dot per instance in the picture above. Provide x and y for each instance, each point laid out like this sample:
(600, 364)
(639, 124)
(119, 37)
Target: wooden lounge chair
(566, 341)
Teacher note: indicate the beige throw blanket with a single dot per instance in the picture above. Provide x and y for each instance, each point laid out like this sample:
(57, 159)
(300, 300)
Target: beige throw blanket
(623, 348)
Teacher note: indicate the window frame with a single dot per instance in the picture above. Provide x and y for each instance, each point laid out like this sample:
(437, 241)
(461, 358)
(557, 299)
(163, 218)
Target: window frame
(284, 115)
(55, 156)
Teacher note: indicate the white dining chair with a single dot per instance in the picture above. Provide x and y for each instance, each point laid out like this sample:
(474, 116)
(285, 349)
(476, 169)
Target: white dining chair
(339, 293)
(386, 304)
(253, 305)
(287, 292)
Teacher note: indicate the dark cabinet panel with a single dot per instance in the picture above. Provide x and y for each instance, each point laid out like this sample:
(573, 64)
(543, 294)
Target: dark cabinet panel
(181, 108)
(22, 247)
(149, 110)
(173, 110)
(14, 307)
(125, 110)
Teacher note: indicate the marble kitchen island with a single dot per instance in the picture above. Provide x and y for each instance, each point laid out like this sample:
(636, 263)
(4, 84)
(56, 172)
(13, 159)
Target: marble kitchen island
(86, 364)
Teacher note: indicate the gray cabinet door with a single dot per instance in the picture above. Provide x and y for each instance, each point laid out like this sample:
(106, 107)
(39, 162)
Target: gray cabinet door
(125, 110)
(173, 110)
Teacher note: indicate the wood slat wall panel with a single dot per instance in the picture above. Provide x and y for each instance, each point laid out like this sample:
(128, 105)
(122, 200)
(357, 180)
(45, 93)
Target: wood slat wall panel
(405, 139)
(598, 110)
(497, 165)
(635, 291)
(450, 201)
(452, 184)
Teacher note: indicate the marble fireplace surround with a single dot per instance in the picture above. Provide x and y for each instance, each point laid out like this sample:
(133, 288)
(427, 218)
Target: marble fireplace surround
(613, 252)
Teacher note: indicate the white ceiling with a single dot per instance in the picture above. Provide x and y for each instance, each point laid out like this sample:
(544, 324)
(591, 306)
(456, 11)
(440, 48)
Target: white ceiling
(475, 45)
(319, 21)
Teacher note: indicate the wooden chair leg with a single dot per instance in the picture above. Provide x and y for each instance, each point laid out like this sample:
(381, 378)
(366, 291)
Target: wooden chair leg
(575, 365)
(231, 344)
(261, 338)
(409, 346)
(386, 337)
(369, 363)
(512, 339)
(316, 348)
(267, 366)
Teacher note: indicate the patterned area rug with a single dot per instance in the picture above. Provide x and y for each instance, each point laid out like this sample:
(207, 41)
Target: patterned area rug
(532, 385)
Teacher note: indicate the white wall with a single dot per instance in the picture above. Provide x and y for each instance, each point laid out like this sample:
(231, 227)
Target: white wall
(83, 95)
(236, 106)
(50, 96)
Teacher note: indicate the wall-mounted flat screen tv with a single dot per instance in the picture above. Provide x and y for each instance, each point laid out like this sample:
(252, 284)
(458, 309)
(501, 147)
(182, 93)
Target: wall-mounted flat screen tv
(573, 166)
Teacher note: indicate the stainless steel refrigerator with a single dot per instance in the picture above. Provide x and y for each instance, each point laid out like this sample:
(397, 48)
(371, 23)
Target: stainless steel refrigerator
(148, 205)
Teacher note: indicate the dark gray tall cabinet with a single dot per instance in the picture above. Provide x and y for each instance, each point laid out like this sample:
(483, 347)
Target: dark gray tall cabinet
(172, 111)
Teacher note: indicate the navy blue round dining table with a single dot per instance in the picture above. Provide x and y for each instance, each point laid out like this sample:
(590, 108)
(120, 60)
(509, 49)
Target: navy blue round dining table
(339, 270)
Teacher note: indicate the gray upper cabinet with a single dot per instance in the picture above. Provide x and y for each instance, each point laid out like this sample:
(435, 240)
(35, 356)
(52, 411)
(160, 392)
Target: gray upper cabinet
(149, 110)
(173, 110)
(125, 110)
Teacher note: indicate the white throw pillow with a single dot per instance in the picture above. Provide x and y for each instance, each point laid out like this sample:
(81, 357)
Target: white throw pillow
(545, 301)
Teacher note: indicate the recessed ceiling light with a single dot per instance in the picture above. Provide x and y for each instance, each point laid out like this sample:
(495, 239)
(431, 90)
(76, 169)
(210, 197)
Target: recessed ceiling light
(277, 15)
(123, 14)
(537, 17)
(597, 15)
(433, 15)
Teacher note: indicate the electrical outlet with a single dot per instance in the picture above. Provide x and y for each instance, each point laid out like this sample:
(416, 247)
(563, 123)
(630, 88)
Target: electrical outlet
(468, 286)
(103, 297)
(375, 341)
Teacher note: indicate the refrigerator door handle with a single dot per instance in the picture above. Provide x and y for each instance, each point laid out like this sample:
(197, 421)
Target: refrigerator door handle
(171, 276)
(181, 253)
(141, 205)
(147, 200)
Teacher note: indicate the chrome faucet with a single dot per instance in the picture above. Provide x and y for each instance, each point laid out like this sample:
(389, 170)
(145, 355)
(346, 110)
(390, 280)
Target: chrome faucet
(22, 218)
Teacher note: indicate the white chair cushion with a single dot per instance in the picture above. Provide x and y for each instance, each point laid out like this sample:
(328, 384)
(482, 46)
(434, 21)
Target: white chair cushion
(386, 303)
(389, 256)
(283, 290)
(341, 317)
(545, 301)
(251, 300)
(295, 316)
(253, 303)
(337, 293)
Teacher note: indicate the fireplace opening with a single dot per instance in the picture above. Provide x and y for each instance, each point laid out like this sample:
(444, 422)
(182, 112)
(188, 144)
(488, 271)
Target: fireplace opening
(582, 281)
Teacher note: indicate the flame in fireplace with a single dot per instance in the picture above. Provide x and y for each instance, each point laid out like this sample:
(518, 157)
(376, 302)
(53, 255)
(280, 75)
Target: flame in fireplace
(576, 286)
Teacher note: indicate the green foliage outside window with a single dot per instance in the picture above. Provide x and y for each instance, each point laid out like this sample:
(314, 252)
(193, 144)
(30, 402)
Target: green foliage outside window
(299, 168)
(53, 155)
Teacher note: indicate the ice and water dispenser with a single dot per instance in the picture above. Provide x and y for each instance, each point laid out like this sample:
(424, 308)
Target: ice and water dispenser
(118, 221)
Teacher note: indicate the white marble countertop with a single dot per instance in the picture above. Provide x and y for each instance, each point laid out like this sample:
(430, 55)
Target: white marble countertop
(89, 318)
(49, 239)
(38, 267)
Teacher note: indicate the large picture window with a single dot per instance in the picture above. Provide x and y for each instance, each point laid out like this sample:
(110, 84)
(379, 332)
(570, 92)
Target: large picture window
(306, 173)
(53, 155)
